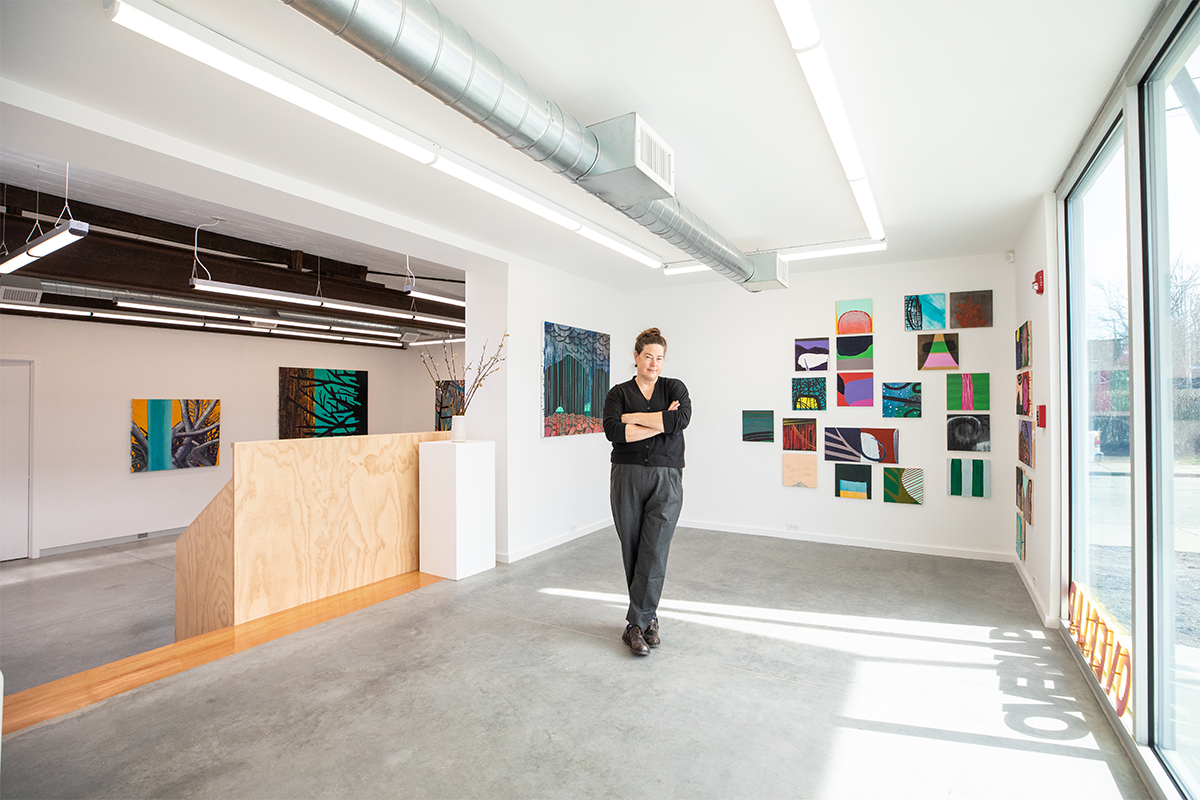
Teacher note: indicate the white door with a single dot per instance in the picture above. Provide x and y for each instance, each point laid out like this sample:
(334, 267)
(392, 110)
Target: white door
(14, 459)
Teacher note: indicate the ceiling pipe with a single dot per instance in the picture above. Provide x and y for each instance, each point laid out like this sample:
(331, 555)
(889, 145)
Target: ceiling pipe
(415, 40)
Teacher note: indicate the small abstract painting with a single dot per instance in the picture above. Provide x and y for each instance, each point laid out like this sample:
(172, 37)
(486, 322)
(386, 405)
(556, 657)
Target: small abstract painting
(1024, 394)
(971, 309)
(575, 378)
(800, 469)
(314, 403)
(448, 401)
(855, 352)
(901, 400)
(1020, 542)
(852, 480)
(968, 477)
(856, 389)
(904, 485)
(875, 445)
(1025, 495)
(800, 434)
(854, 316)
(1025, 345)
(758, 426)
(808, 394)
(937, 351)
(175, 434)
(925, 312)
(969, 432)
(1025, 442)
(812, 355)
(968, 391)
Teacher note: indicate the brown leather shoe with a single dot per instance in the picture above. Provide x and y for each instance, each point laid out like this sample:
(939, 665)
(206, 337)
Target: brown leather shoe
(651, 635)
(633, 638)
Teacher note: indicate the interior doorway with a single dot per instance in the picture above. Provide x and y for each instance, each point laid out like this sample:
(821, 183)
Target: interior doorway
(16, 384)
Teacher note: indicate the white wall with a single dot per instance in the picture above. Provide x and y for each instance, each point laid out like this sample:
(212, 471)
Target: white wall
(735, 351)
(1037, 250)
(86, 375)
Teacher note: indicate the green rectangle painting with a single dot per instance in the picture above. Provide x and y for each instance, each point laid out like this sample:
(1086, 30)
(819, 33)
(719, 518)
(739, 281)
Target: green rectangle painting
(969, 391)
(315, 403)
(175, 434)
(968, 477)
(758, 426)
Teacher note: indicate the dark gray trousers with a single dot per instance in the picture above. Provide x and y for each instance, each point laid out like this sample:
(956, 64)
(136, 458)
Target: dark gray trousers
(646, 502)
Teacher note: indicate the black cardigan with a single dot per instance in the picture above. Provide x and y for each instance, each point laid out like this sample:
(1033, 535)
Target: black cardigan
(663, 450)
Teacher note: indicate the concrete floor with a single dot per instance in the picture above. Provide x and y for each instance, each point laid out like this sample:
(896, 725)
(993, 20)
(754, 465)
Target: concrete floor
(788, 669)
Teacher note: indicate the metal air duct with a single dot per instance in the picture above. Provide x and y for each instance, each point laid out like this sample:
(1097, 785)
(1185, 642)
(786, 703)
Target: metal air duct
(414, 39)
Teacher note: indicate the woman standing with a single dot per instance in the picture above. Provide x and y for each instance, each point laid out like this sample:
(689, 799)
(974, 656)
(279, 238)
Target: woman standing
(644, 419)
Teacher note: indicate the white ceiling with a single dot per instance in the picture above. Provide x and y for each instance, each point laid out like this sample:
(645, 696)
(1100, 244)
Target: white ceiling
(964, 112)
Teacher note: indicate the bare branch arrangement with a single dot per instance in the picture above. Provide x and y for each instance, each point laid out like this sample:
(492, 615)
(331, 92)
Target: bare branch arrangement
(483, 368)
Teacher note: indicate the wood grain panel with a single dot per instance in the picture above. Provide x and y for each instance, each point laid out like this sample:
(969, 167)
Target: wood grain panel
(315, 517)
(74, 692)
(204, 569)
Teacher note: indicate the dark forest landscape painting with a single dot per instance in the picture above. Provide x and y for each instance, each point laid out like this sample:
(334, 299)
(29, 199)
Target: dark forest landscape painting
(575, 377)
(315, 403)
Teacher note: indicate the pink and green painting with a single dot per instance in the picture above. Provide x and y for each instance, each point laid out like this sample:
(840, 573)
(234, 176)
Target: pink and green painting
(937, 351)
(968, 391)
(1024, 394)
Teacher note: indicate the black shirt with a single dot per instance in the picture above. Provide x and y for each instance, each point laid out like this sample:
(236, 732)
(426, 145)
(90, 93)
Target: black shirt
(663, 450)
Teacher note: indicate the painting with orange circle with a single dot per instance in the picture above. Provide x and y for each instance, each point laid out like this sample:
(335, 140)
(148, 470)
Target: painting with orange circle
(853, 316)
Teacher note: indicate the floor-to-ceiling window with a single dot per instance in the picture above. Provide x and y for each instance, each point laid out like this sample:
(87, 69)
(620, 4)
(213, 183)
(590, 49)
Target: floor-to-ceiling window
(1098, 270)
(1171, 112)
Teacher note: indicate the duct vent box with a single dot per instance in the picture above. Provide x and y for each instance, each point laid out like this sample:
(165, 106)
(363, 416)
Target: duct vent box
(16, 289)
(633, 165)
(770, 272)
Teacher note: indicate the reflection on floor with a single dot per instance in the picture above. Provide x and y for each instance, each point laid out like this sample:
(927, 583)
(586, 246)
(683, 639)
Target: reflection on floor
(66, 613)
(788, 669)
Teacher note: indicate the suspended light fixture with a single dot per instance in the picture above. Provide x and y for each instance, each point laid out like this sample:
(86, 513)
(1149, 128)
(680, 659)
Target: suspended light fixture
(411, 291)
(63, 234)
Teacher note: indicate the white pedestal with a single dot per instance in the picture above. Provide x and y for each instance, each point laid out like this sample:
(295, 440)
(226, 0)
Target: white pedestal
(458, 508)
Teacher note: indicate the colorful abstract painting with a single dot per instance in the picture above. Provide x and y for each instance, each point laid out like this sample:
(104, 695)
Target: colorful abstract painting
(575, 377)
(969, 391)
(758, 426)
(969, 432)
(800, 469)
(854, 316)
(1025, 442)
(314, 403)
(855, 352)
(937, 351)
(852, 480)
(448, 400)
(799, 434)
(971, 309)
(808, 394)
(856, 389)
(925, 312)
(904, 485)
(1025, 495)
(175, 434)
(874, 445)
(1025, 345)
(1024, 394)
(968, 477)
(812, 355)
(901, 400)
(1020, 541)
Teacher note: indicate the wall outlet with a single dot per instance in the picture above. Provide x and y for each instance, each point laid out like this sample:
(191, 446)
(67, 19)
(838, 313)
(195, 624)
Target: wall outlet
(793, 526)
(573, 527)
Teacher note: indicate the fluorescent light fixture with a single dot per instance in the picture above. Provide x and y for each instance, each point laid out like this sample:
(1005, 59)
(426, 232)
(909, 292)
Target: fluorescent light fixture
(411, 292)
(195, 41)
(612, 243)
(493, 184)
(436, 341)
(371, 341)
(238, 290)
(686, 267)
(866, 207)
(242, 328)
(278, 321)
(59, 237)
(306, 334)
(823, 251)
(799, 23)
(364, 331)
(38, 309)
(439, 321)
(187, 323)
(376, 310)
(175, 310)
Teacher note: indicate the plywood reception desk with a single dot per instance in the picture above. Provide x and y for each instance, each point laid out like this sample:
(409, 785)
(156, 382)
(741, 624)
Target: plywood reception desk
(301, 520)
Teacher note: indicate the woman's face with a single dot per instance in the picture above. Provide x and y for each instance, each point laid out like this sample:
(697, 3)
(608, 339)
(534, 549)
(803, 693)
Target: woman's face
(649, 362)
